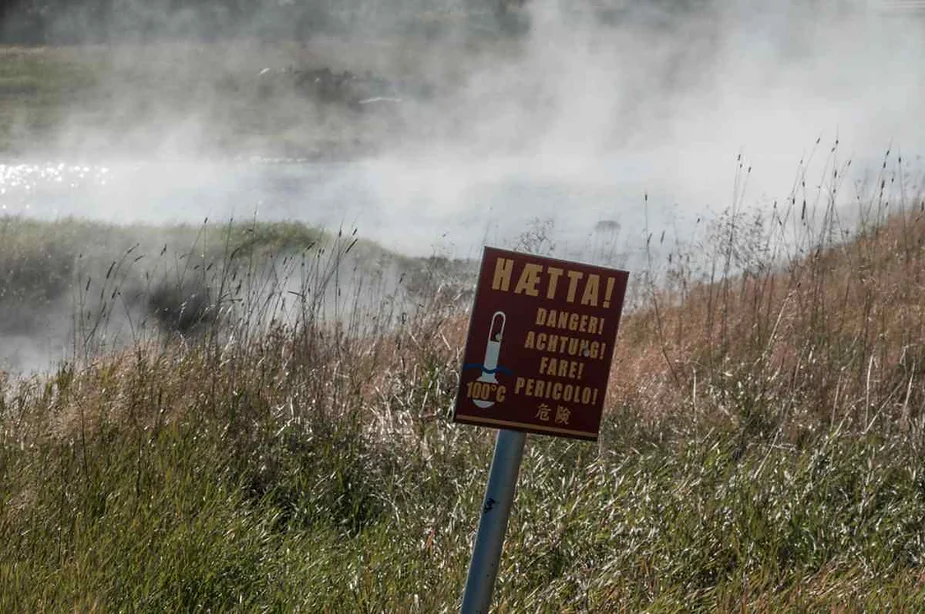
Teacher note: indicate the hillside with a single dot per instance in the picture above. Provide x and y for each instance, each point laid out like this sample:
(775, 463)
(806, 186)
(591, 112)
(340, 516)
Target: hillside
(329, 99)
(823, 335)
(761, 452)
(71, 289)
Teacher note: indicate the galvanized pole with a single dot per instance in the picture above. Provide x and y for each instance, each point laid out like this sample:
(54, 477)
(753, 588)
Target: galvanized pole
(499, 496)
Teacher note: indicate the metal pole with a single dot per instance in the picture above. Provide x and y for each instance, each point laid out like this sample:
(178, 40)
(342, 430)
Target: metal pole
(499, 495)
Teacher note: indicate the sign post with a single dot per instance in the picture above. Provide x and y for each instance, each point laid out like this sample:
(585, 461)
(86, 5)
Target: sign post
(496, 508)
(537, 360)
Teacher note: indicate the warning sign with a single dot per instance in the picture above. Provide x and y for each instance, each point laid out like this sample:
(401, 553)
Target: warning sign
(540, 345)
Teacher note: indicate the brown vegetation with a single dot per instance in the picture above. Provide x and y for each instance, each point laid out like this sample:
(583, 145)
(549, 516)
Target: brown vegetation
(829, 337)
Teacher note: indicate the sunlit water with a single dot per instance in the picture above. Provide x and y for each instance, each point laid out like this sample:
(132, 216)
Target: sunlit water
(416, 208)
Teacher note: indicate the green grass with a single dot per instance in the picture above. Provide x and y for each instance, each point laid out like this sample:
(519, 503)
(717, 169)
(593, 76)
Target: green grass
(43, 261)
(121, 284)
(36, 89)
(762, 448)
(131, 99)
(250, 500)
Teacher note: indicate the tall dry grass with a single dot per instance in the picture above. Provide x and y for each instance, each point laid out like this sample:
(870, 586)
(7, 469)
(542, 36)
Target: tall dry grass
(805, 319)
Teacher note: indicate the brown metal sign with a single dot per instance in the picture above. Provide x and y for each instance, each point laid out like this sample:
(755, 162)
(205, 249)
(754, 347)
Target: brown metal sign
(540, 345)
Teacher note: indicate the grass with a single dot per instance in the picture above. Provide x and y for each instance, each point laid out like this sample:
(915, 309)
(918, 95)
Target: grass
(75, 99)
(762, 448)
(127, 284)
(36, 87)
(233, 97)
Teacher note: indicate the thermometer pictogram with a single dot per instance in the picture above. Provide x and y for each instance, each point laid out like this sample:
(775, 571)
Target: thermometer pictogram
(492, 351)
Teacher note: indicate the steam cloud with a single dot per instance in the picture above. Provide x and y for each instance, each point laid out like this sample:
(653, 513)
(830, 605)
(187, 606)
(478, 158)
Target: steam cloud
(570, 123)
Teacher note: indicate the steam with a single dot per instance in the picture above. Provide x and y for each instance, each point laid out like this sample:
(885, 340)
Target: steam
(597, 126)
(613, 112)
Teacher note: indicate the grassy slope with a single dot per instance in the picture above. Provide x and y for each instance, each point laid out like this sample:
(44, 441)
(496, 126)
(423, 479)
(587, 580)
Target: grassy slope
(36, 87)
(762, 451)
(209, 97)
(130, 282)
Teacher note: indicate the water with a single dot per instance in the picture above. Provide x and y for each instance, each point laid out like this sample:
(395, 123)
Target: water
(416, 207)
